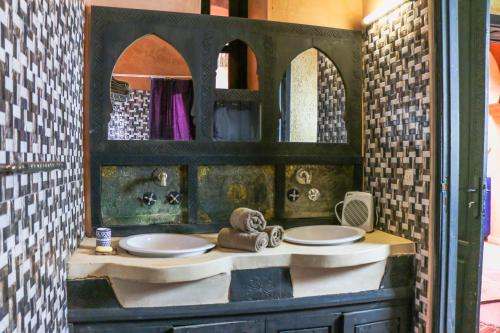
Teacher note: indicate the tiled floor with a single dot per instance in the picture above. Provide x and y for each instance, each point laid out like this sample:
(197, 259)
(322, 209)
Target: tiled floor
(490, 291)
(483, 328)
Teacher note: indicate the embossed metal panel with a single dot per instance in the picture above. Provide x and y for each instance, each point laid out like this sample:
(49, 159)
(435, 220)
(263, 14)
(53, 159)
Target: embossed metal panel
(222, 188)
(331, 181)
(123, 188)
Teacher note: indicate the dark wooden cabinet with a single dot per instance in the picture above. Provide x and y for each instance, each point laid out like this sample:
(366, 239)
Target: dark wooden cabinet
(121, 328)
(378, 320)
(386, 310)
(304, 323)
(228, 327)
(385, 320)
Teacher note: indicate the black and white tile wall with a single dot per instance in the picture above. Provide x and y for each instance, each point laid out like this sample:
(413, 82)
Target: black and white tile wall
(331, 102)
(396, 61)
(130, 118)
(41, 215)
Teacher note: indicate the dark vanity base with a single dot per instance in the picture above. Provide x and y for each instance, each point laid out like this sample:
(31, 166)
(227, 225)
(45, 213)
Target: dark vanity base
(95, 310)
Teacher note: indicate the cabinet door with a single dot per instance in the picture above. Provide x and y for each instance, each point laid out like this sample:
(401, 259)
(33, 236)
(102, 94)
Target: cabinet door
(121, 328)
(229, 327)
(304, 323)
(386, 320)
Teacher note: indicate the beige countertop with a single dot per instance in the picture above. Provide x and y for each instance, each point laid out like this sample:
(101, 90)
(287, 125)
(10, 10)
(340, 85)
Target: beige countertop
(376, 246)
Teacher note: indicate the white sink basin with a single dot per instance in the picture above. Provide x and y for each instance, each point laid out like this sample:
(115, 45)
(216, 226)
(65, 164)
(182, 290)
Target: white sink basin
(165, 245)
(323, 235)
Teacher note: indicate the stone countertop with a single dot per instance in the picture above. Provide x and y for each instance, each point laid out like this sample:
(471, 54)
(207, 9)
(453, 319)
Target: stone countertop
(376, 246)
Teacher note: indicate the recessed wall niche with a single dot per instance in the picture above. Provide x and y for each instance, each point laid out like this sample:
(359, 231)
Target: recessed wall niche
(237, 114)
(151, 92)
(312, 100)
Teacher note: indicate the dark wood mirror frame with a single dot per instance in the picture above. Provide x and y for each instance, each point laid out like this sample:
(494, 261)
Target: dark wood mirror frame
(199, 39)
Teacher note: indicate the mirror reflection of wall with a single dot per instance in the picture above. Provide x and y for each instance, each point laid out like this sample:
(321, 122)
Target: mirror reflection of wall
(219, 7)
(237, 118)
(151, 93)
(312, 100)
(237, 67)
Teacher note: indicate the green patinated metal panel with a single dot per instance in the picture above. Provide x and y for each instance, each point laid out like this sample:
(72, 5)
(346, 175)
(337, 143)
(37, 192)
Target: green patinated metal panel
(124, 186)
(332, 181)
(223, 188)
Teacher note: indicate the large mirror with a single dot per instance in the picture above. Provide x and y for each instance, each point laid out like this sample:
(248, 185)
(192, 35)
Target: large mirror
(151, 93)
(237, 115)
(312, 100)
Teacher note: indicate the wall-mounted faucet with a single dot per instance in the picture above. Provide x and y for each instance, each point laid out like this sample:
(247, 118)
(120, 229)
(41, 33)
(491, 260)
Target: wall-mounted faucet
(303, 176)
(160, 177)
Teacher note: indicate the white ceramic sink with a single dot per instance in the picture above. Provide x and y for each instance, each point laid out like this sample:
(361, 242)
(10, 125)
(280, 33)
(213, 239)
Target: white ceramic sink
(323, 235)
(165, 245)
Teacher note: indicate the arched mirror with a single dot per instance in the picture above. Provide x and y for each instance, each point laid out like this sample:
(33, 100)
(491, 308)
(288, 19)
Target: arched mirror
(237, 115)
(312, 100)
(151, 93)
(237, 67)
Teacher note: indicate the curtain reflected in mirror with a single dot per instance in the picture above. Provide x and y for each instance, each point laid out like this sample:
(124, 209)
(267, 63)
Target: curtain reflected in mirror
(237, 115)
(312, 100)
(151, 93)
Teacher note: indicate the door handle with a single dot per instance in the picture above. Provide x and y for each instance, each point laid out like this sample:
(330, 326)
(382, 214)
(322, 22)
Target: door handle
(476, 191)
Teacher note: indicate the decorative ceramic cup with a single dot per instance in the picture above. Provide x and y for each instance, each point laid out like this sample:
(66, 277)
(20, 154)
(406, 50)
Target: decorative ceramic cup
(103, 237)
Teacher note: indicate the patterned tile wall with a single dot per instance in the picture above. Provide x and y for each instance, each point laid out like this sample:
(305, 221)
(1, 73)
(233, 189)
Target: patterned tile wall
(331, 102)
(41, 214)
(396, 63)
(130, 118)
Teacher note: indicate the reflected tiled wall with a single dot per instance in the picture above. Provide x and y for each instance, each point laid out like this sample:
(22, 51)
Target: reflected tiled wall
(331, 102)
(396, 63)
(41, 215)
(130, 118)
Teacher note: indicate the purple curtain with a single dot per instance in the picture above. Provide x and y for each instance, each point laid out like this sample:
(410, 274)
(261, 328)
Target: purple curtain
(169, 112)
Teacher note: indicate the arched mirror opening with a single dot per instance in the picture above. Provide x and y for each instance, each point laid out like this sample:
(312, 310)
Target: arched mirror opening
(151, 93)
(312, 100)
(237, 114)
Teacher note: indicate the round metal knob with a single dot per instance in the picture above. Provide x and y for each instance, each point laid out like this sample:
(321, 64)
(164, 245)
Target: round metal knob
(313, 194)
(174, 198)
(293, 195)
(149, 198)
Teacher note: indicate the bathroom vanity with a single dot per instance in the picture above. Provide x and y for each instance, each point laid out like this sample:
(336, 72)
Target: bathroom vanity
(265, 115)
(357, 287)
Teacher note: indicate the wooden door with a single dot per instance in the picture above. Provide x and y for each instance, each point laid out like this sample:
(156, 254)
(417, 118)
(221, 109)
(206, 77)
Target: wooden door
(472, 105)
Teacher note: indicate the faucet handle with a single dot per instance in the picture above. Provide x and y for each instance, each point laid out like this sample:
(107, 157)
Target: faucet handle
(160, 177)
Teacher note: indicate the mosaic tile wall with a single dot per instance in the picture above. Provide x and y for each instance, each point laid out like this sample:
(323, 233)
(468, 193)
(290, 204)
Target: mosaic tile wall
(130, 118)
(396, 63)
(41, 215)
(331, 102)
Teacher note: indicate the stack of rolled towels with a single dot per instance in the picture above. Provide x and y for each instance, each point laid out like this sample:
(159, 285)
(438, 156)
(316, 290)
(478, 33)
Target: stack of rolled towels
(249, 232)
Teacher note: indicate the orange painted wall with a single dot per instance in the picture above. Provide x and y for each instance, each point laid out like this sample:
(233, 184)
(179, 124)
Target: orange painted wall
(150, 55)
(180, 6)
(345, 14)
(494, 141)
